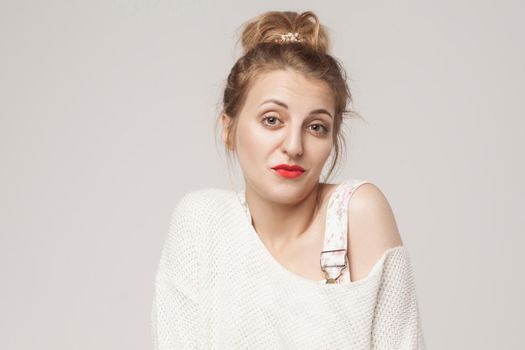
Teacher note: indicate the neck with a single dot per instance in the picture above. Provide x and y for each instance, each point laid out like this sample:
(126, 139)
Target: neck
(279, 224)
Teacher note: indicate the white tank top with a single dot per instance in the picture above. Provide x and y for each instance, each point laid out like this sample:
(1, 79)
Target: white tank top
(333, 258)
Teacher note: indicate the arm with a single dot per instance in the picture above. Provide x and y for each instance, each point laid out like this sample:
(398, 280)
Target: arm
(173, 318)
(373, 233)
(397, 323)
(175, 305)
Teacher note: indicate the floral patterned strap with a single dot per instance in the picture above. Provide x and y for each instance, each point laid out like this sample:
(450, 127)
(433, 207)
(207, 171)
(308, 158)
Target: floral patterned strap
(333, 258)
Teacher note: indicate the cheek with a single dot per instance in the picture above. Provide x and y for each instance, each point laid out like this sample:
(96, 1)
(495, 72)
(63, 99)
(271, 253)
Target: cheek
(320, 149)
(251, 141)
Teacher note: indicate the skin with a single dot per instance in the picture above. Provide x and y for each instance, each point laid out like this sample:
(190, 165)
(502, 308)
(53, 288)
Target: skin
(289, 214)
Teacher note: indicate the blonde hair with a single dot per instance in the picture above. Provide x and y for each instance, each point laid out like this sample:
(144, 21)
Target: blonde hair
(263, 52)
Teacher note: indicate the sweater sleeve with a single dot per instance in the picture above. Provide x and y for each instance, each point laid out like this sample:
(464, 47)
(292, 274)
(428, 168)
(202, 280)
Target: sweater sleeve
(175, 305)
(397, 323)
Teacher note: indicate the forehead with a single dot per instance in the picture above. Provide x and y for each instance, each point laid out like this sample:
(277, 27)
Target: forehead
(291, 87)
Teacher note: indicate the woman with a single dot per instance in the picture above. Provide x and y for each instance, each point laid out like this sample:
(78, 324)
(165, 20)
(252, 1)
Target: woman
(289, 262)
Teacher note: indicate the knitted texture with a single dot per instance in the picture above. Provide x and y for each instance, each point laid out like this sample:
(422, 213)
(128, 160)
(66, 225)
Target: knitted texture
(217, 287)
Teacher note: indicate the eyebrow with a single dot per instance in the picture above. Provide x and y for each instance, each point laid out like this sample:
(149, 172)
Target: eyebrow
(280, 103)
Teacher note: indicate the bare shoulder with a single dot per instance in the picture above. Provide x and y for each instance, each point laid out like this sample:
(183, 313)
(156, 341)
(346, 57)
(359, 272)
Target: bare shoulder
(372, 229)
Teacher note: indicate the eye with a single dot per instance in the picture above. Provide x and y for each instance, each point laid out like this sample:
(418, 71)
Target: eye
(272, 120)
(319, 129)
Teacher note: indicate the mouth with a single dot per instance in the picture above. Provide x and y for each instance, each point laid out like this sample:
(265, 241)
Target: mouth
(289, 171)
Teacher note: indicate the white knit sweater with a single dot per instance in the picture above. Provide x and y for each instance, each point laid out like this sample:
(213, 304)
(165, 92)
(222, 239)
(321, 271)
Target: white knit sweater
(217, 287)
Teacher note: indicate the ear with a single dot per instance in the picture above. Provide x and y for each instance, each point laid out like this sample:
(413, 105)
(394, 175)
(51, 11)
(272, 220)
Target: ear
(227, 122)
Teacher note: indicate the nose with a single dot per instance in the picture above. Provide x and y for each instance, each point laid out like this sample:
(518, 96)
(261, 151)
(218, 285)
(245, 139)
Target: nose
(293, 142)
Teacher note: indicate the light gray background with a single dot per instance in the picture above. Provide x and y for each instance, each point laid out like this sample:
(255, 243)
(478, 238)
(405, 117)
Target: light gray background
(107, 111)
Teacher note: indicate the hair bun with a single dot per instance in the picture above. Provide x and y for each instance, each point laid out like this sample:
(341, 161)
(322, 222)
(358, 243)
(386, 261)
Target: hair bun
(285, 27)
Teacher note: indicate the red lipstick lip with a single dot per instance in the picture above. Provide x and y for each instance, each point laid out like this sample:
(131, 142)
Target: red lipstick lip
(289, 167)
(289, 171)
